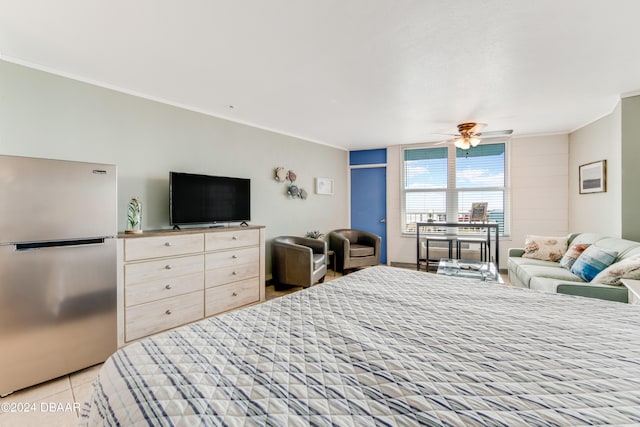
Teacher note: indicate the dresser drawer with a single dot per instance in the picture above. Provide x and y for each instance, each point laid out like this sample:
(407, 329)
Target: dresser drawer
(146, 319)
(232, 295)
(232, 257)
(231, 239)
(162, 269)
(164, 288)
(235, 273)
(162, 246)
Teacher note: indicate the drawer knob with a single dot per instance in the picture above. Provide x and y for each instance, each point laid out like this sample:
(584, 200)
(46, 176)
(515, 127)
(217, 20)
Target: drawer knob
(234, 273)
(234, 238)
(168, 312)
(168, 266)
(235, 294)
(167, 243)
(234, 256)
(167, 287)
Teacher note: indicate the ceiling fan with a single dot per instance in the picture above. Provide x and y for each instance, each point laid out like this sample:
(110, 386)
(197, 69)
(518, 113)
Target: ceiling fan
(470, 134)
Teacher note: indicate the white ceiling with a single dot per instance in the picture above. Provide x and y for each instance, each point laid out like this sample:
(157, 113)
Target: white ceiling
(348, 73)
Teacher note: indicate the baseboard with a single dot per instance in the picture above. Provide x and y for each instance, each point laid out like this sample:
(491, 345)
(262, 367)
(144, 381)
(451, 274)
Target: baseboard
(407, 265)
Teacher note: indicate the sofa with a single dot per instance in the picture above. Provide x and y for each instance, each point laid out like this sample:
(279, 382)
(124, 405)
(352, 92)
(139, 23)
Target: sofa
(550, 276)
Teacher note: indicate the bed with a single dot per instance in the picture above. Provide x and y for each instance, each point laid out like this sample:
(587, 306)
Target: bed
(385, 346)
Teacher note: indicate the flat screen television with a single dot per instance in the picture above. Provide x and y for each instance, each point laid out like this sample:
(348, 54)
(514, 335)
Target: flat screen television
(206, 199)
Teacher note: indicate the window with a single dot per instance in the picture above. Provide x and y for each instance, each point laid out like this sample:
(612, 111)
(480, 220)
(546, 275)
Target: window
(441, 184)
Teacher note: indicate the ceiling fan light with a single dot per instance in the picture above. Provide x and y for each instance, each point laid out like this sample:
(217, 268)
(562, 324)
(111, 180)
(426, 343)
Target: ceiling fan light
(462, 143)
(474, 141)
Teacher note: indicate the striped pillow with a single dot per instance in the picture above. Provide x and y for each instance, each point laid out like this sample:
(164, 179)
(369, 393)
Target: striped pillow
(592, 261)
(572, 255)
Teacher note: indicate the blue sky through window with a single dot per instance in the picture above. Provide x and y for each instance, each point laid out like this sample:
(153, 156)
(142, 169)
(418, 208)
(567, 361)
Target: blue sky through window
(479, 168)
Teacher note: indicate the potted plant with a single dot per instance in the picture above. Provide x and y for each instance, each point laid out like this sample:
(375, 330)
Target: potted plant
(134, 217)
(315, 234)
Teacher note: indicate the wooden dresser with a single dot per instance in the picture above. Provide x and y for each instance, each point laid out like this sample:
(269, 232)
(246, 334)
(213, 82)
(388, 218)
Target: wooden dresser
(169, 278)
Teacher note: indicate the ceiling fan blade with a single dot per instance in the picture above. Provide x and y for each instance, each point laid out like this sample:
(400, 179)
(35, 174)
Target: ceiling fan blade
(448, 141)
(496, 133)
(447, 135)
(478, 128)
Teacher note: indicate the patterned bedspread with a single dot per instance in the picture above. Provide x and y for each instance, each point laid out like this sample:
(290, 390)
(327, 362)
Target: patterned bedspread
(385, 347)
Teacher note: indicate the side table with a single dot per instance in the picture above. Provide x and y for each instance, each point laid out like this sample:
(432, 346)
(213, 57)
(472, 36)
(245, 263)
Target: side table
(332, 256)
(484, 252)
(633, 286)
(427, 260)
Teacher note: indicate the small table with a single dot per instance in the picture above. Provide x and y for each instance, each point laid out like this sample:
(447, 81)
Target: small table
(488, 225)
(448, 239)
(332, 256)
(633, 287)
(483, 242)
(483, 271)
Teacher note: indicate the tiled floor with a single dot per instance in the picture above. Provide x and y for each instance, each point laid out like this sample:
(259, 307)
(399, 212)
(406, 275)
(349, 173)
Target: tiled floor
(54, 403)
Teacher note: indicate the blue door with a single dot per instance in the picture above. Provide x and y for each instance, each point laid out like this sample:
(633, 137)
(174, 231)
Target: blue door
(369, 199)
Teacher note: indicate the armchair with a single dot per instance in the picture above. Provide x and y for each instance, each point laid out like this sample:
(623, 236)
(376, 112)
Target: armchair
(298, 261)
(354, 248)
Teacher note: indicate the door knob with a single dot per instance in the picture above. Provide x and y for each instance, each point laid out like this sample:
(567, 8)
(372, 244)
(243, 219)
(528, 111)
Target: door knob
(383, 220)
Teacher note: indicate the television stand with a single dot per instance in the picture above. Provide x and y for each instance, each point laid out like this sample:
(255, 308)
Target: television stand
(244, 224)
(176, 227)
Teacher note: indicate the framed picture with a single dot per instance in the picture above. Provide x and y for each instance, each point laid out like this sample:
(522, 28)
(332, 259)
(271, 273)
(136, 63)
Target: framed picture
(593, 177)
(479, 211)
(324, 186)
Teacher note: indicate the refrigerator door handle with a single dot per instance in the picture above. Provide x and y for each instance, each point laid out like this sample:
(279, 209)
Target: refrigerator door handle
(58, 243)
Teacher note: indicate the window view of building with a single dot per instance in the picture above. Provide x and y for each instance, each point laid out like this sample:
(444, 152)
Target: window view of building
(441, 183)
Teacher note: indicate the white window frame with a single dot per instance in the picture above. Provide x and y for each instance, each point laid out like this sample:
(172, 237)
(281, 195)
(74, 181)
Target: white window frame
(452, 191)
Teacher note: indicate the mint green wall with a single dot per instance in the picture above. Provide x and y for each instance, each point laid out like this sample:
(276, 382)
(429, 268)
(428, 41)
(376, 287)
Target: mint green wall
(630, 169)
(44, 115)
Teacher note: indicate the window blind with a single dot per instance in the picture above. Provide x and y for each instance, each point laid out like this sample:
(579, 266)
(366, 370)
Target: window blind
(441, 183)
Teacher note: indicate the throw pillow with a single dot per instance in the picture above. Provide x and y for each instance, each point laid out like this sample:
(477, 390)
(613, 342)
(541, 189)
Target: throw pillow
(626, 269)
(572, 255)
(592, 261)
(545, 248)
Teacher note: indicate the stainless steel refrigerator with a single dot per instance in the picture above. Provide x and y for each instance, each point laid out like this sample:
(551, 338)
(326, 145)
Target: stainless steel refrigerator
(58, 224)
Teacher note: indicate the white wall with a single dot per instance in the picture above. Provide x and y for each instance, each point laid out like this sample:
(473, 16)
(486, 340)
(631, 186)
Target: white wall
(539, 182)
(539, 188)
(399, 248)
(597, 212)
(43, 115)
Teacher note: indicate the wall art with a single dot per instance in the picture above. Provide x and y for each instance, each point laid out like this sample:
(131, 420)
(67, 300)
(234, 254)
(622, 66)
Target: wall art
(593, 177)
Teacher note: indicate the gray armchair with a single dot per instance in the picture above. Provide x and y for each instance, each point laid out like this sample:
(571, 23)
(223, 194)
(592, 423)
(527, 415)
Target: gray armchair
(354, 248)
(298, 261)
